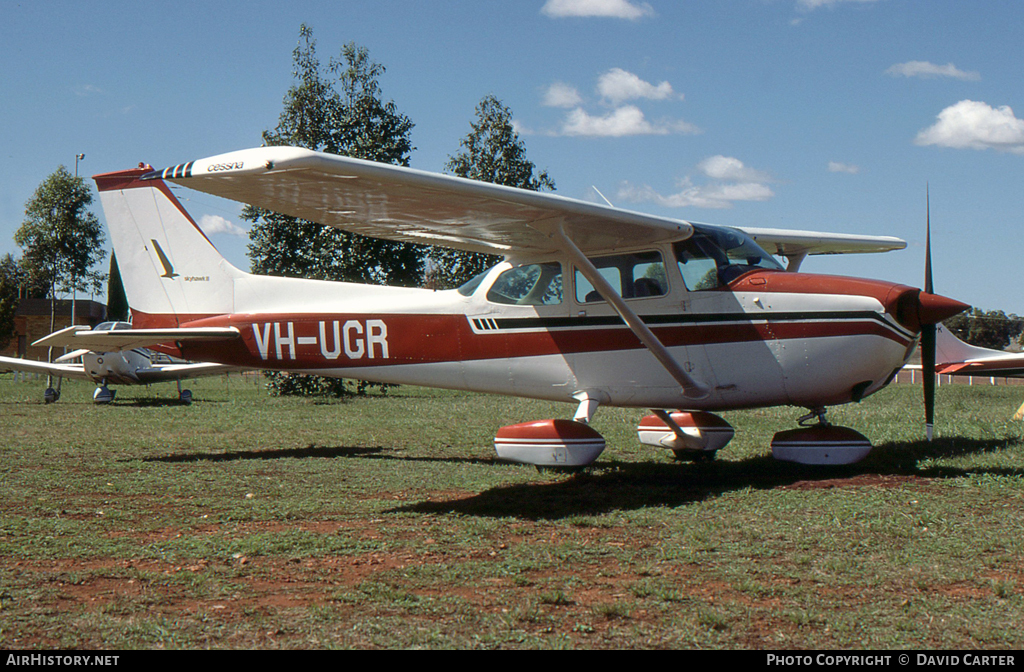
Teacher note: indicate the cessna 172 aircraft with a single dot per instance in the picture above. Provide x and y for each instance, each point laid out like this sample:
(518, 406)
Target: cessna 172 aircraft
(128, 366)
(592, 305)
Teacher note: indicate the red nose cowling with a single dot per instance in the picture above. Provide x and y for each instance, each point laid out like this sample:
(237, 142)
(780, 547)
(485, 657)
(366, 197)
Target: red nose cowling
(933, 308)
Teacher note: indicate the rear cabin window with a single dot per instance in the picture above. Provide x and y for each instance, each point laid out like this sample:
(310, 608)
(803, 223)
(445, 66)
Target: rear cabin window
(528, 285)
(636, 275)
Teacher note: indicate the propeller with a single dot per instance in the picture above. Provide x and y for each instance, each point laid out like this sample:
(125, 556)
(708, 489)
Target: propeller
(928, 330)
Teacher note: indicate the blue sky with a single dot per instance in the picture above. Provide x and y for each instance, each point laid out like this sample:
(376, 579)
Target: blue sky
(827, 115)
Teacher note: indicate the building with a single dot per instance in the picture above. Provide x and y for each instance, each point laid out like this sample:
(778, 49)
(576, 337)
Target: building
(32, 322)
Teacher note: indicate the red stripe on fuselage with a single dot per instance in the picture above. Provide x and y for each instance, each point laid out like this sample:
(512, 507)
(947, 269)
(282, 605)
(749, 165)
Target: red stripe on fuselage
(297, 341)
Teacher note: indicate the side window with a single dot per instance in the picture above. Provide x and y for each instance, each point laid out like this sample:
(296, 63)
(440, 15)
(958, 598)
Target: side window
(698, 268)
(528, 285)
(635, 276)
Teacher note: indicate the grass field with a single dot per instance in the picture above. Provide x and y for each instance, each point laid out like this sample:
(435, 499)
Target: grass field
(246, 521)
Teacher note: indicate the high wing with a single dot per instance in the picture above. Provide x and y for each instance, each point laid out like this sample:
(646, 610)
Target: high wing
(398, 203)
(30, 366)
(791, 244)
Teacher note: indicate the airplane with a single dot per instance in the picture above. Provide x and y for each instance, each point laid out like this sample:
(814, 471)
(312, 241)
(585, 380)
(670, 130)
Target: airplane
(125, 366)
(592, 305)
(954, 357)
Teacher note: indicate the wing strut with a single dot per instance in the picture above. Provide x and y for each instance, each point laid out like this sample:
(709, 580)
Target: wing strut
(692, 388)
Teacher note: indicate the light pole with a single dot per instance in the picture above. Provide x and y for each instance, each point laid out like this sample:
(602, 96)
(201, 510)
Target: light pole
(78, 157)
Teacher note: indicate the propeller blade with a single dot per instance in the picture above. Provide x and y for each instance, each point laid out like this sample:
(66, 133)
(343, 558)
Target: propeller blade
(928, 376)
(928, 329)
(928, 243)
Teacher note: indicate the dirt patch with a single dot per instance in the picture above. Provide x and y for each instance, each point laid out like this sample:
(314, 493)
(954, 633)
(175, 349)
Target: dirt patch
(856, 481)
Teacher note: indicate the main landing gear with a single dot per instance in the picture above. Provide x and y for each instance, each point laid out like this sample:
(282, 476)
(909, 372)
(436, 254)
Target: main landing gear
(818, 442)
(692, 436)
(103, 394)
(184, 396)
(51, 395)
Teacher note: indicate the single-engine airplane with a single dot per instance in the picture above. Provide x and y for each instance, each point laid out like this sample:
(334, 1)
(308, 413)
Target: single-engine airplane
(124, 366)
(592, 305)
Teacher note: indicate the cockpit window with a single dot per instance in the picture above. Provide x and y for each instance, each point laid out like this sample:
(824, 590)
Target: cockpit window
(528, 285)
(636, 275)
(474, 282)
(112, 326)
(712, 258)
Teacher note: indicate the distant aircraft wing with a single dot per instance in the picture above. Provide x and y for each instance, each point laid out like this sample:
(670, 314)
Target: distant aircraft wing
(30, 366)
(159, 373)
(126, 339)
(956, 358)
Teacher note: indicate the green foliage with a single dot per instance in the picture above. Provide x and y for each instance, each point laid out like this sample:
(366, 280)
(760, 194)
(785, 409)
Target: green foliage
(988, 329)
(491, 152)
(62, 240)
(11, 278)
(284, 384)
(117, 300)
(339, 110)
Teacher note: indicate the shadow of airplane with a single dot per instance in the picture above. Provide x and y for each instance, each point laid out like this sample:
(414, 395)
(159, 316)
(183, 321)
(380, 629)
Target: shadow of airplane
(617, 486)
(611, 485)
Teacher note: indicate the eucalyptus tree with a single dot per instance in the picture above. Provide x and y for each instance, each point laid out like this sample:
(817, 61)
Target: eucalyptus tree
(61, 240)
(491, 152)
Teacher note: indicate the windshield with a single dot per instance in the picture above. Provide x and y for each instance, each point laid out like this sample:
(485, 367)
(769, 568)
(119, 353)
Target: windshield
(714, 257)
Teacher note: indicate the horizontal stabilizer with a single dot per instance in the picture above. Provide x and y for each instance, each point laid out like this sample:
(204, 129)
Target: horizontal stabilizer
(126, 339)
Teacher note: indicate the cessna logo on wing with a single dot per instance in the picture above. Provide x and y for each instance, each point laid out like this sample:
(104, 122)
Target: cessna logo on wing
(355, 338)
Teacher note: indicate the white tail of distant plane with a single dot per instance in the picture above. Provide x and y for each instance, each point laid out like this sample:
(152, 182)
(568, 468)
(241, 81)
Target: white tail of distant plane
(168, 265)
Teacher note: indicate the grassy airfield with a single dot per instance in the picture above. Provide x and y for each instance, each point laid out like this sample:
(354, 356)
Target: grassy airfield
(257, 522)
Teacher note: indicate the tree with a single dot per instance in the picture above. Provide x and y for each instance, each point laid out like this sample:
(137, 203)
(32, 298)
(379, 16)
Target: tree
(491, 152)
(62, 240)
(339, 110)
(117, 300)
(353, 121)
(988, 329)
(11, 280)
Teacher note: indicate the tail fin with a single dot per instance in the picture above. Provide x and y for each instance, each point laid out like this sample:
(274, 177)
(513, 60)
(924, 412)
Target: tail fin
(951, 350)
(171, 271)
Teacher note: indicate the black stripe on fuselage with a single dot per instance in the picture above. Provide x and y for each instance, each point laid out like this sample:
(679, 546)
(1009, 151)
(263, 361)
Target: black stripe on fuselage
(519, 323)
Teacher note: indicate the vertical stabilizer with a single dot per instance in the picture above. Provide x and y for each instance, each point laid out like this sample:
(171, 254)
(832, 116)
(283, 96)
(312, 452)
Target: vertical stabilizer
(171, 271)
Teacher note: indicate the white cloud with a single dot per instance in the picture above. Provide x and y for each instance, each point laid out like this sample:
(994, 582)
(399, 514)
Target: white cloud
(730, 168)
(616, 9)
(214, 224)
(975, 125)
(815, 4)
(623, 121)
(930, 70)
(83, 90)
(618, 85)
(838, 167)
(735, 182)
(561, 94)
